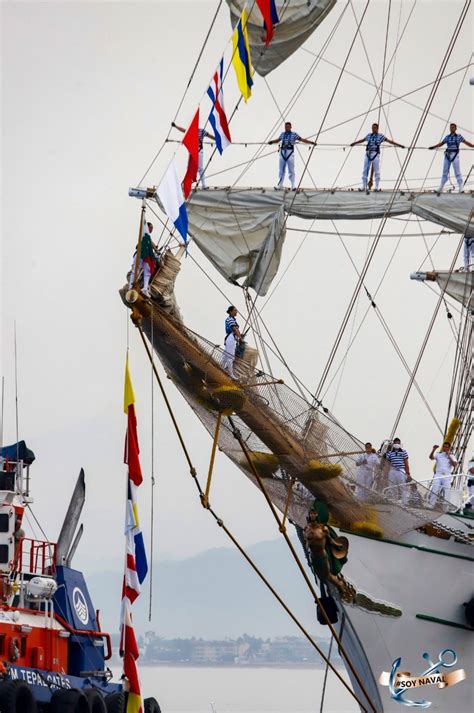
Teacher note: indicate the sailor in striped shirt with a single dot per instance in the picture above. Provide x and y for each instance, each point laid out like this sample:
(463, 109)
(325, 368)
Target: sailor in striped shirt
(399, 472)
(232, 337)
(451, 156)
(372, 155)
(287, 141)
(202, 134)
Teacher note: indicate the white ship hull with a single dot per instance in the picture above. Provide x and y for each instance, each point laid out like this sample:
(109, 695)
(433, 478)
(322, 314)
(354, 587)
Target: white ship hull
(424, 577)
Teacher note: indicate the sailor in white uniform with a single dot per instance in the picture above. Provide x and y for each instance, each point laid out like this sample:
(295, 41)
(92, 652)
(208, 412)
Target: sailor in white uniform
(287, 140)
(399, 473)
(470, 484)
(366, 463)
(445, 463)
(202, 134)
(451, 156)
(372, 155)
(232, 337)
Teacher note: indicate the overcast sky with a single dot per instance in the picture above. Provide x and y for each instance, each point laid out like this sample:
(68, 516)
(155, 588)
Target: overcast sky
(88, 92)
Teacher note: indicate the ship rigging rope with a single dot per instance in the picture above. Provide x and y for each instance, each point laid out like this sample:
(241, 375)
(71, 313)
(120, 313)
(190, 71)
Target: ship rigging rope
(378, 88)
(358, 33)
(299, 89)
(377, 237)
(442, 297)
(221, 524)
(323, 691)
(384, 60)
(460, 359)
(203, 46)
(425, 341)
(391, 338)
(152, 479)
(377, 310)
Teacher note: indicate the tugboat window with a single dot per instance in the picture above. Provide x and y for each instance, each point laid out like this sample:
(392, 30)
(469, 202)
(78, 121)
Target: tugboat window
(3, 554)
(4, 523)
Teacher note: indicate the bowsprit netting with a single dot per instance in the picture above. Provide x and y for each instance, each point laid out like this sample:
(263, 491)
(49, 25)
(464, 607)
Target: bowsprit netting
(292, 444)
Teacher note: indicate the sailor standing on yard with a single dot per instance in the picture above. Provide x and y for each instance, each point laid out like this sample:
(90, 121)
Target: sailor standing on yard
(399, 472)
(202, 135)
(444, 467)
(287, 141)
(451, 156)
(372, 155)
(232, 337)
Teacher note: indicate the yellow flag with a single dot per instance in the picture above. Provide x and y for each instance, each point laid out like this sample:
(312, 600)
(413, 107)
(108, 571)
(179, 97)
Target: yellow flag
(241, 58)
(128, 394)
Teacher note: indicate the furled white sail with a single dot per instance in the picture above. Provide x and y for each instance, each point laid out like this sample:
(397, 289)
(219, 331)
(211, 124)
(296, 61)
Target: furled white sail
(241, 231)
(298, 19)
(458, 285)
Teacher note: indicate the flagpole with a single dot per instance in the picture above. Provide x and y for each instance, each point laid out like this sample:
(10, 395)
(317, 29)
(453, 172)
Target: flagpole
(139, 243)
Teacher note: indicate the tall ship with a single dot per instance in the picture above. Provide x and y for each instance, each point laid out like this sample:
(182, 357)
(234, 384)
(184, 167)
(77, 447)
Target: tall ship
(387, 560)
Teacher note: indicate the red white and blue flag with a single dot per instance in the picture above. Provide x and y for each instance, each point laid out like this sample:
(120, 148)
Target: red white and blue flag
(217, 117)
(136, 566)
(270, 17)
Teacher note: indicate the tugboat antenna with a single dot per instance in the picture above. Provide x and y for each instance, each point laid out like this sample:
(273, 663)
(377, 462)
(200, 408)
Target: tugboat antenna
(16, 392)
(1, 421)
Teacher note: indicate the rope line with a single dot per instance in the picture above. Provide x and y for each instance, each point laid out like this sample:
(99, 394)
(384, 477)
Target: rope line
(221, 524)
(425, 341)
(196, 64)
(395, 189)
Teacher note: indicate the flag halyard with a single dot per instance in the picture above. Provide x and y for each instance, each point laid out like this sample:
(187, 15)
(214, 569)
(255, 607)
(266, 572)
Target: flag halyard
(136, 566)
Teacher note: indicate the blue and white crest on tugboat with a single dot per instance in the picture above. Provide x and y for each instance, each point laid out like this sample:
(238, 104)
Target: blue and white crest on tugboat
(80, 606)
(72, 601)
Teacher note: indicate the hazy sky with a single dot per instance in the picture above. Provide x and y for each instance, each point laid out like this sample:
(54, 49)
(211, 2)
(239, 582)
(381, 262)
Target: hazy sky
(88, 92)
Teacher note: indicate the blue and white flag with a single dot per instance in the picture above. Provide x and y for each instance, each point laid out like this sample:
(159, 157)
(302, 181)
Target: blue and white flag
(171, 197)
(217, 117)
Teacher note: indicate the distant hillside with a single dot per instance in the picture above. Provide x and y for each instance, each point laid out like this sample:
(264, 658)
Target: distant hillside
(214, 595)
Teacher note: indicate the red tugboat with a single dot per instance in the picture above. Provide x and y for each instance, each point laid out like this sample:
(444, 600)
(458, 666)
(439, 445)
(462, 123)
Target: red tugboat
(53, 652)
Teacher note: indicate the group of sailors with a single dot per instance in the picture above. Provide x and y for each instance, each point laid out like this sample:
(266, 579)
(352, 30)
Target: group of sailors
(401, 485)
(373, 141)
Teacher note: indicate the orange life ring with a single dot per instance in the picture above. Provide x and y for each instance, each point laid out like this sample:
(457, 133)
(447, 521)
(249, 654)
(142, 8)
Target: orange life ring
(14, 649)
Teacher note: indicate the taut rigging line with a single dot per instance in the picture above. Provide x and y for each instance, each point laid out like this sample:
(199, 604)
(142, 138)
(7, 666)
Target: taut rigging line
(221, 524)
(425, 340)
(373, 248)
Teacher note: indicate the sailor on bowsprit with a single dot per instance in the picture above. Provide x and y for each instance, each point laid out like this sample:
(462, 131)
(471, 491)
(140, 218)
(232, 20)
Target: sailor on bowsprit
(451, 156)
(287, 140)
(232, 337)
(372, 155)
